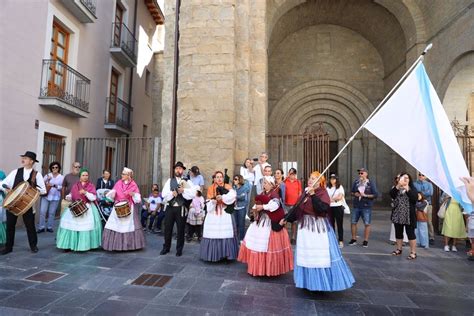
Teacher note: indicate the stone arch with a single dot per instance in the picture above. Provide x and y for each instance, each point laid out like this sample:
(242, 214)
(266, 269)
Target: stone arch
(355, 105)
(461, 62)
(406, 11)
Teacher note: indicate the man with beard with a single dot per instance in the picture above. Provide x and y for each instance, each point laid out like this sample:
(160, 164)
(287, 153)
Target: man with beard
(177, 195)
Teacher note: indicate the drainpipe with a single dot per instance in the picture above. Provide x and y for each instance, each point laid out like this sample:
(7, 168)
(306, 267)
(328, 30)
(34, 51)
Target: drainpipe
(130, 89)
(174, 107)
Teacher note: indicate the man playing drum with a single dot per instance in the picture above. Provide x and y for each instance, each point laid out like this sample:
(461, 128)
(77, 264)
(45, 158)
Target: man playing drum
(35, 179)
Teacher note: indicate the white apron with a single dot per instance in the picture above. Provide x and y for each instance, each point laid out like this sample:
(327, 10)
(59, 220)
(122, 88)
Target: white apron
(257, 237)
(312, 247)
(82, 223)
(217, 226)
(121, 225)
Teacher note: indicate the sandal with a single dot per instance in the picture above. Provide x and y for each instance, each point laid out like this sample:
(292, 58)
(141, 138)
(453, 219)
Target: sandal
(397, 252)
(412, 256)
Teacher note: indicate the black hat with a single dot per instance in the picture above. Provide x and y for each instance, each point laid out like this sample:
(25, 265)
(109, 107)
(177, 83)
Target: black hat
(31, 155)
(179, 164)
(333, 175)
(362, 170)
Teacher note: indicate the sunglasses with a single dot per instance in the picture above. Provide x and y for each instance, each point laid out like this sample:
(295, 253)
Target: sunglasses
(421, 175)
(54, 167)
(77, 166)
(361, 173)
(236, 179)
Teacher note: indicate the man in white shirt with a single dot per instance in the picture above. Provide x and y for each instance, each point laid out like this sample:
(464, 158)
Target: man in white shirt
(177, 197)
(25, 173)
(262, 163)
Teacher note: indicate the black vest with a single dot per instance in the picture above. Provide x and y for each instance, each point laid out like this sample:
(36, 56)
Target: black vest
(179, 198)
(19, 178)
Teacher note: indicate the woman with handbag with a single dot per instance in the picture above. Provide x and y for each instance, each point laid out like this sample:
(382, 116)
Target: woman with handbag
(336, 195)
(404, 196)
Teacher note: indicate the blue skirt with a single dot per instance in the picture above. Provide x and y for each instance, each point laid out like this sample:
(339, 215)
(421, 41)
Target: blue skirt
(336, 278)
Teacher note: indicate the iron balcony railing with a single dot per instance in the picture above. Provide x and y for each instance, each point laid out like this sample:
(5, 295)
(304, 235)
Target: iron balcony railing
(123, 38)
(90, 5)
(62, 82)
(119, 113)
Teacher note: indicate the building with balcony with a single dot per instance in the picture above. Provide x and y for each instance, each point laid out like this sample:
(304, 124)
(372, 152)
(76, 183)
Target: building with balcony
(79, 69)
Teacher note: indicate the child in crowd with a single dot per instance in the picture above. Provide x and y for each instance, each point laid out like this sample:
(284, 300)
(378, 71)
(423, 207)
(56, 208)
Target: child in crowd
(195, 217)
(152, 211)
(422, 222)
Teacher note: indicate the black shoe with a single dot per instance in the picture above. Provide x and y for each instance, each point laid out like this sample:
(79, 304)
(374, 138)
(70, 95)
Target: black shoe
(164, 252)
(431, 241)
(365, 244)
(6, 251)
(34, 249)
(179, 253)
(39, 231)
(50, 230)
(352, 242)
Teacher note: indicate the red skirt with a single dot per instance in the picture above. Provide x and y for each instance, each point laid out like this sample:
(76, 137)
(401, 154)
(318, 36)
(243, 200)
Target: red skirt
(277, 260)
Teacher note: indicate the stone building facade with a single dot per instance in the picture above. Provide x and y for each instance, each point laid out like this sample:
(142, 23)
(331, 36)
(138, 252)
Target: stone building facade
(250, 69)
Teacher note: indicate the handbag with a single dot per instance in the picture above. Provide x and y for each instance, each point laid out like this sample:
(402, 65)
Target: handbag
(442, 209)
(347, 209)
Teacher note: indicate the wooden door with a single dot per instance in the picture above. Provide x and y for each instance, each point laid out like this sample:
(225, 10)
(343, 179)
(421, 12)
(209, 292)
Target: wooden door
(53, 150)
(113, 95)
(118, 25)
(59, 52)
(109, 156)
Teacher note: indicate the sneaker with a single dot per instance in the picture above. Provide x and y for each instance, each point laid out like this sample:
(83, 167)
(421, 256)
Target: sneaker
(352, 242)
(454, 249)
(431, 242)
(41, 230)
(50, 230)
(341, 244)
(365, 244)
(446, 248)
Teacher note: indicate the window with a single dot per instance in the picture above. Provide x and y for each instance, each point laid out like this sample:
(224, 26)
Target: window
(147, 82)
(118, 25)
(109, 156)
(113, 95)
(53, 146)
(59, 51)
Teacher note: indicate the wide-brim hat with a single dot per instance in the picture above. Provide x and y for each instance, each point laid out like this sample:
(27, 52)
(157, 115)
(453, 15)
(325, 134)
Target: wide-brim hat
(179, 164)
(30, 155)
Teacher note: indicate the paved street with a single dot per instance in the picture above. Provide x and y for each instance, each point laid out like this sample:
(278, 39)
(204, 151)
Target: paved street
(99, 283)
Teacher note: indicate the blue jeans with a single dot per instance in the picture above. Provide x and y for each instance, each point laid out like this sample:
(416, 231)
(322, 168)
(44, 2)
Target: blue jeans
(239, 216)
(365, 213)
(49, 207)
(422, 234)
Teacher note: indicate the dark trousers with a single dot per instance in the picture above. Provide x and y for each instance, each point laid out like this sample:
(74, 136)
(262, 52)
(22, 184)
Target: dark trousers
(29, 220)
(337, 217)
(410, 230)
(173, 215)
(194, 229)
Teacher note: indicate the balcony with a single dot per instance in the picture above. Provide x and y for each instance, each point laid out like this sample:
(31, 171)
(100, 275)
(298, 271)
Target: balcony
(118, 115)
(124, 45)
(83, 10)
(64, 89)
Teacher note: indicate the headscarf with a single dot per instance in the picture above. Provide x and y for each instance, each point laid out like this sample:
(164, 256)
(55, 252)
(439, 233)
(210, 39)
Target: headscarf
(128, 171)
(76, 188)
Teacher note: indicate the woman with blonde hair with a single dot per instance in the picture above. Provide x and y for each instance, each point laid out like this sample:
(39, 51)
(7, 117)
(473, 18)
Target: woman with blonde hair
(319, 265)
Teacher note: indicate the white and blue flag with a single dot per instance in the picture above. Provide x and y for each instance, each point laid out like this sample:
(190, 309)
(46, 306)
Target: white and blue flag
(414, 124)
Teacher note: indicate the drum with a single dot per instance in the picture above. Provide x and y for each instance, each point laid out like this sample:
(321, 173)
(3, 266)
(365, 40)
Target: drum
(122, 209)
(19, 200)
(78, 208)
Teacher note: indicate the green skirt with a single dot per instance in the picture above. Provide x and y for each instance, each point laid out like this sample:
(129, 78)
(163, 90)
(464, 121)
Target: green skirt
(3, 233)
(80, 240)
(453, 224)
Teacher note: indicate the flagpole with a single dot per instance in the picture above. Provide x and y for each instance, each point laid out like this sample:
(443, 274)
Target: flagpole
(389, 94)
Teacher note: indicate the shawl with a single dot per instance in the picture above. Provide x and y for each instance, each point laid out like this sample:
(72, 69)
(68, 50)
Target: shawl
(88, 186)
(123, 189)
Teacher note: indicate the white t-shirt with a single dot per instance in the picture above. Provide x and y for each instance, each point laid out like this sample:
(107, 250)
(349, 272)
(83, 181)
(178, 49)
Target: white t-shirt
(249, 176)
(154, 202)
(333, 192)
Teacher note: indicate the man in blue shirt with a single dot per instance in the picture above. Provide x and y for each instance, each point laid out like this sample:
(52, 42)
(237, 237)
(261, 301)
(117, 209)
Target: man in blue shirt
(364, 192)
(426, 188)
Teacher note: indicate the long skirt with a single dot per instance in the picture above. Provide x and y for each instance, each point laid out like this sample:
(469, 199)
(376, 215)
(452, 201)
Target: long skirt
(453, 224)
(277, 260)
(3, 233)
(80, 240)
(337, 277)
(216, 249)
(422, 234)
(115, 241)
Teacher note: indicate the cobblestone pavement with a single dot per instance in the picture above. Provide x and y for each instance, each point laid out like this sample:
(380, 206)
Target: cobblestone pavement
(99, 283)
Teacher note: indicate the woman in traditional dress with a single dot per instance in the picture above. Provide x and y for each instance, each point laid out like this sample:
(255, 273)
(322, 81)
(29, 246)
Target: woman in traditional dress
(124, 233)
(219, 234)
(80, 233)
(319, 265)
(266, 247)
(3, 214)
